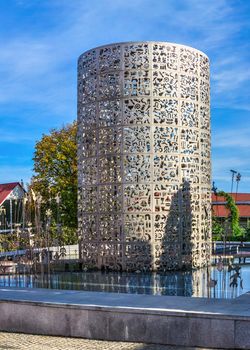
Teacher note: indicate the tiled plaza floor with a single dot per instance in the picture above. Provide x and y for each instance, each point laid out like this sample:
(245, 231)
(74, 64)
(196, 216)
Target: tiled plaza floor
(15, 341)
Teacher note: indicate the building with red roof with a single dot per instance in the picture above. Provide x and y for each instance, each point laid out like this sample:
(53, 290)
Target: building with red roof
(11, 190)
(11, 195)
(242, 201)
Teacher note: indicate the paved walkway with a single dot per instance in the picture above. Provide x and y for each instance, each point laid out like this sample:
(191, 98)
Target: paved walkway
(15, 341)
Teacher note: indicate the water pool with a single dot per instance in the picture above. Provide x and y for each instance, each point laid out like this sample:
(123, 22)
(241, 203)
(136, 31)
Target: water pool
(212, 283)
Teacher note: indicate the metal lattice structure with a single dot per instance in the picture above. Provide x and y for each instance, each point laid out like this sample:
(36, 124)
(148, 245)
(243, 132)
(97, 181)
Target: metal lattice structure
(144, 156)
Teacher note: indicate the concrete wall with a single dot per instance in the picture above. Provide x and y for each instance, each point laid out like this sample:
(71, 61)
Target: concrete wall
(127, 324)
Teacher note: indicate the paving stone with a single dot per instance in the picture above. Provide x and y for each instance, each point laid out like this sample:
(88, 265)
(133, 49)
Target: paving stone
(18, 341)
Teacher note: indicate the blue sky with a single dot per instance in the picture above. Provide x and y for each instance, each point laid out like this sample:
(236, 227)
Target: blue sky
(42, 39)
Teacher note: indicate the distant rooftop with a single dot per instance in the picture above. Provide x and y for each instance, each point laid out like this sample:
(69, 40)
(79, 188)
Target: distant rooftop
(6, 189)
(241, 199)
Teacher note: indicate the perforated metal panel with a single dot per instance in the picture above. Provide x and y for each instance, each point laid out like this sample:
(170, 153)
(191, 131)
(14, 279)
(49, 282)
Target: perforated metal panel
(144, 156)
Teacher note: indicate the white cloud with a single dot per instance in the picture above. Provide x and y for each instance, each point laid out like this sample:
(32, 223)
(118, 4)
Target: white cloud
(15, 138)
(237, 137)
(14, 173)
(35, 68)
(38, 68)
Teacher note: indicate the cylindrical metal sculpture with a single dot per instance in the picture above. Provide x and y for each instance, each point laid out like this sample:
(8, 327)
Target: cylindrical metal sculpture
(144, 156)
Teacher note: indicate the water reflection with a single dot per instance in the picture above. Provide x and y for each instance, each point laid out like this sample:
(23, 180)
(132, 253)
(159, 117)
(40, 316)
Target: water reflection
(211, 283)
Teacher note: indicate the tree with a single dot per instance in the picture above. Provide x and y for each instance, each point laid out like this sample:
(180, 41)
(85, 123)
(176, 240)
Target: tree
(217, 229)
(55, 179)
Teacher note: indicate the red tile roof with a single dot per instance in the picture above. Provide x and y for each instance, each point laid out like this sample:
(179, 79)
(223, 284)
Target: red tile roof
(222, 211)
(239, 197)
(242, 200)
(6, 189)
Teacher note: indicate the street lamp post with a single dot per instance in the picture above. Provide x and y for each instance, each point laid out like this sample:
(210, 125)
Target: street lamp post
(238, 178)
(233, 174)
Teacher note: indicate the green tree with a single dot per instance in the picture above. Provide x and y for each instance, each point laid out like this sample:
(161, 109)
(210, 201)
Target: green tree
(217, 229)
(55, 179)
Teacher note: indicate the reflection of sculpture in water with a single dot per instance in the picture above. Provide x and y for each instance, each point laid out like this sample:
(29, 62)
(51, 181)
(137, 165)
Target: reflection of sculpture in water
(236, 276)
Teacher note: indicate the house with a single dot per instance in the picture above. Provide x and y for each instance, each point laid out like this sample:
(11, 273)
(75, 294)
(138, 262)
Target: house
(11, 205)
(242, 201)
